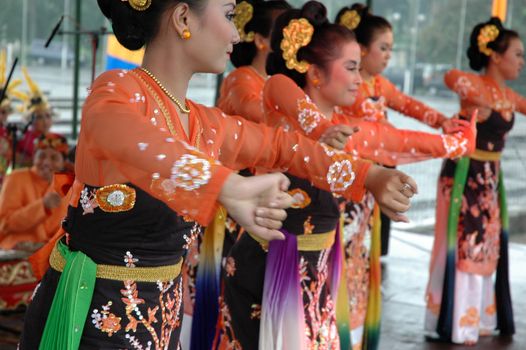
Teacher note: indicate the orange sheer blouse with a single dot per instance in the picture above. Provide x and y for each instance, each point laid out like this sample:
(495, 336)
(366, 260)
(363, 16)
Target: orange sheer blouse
(482, 93)
(378, 142)
(131, 133)
(240, 94)
(373, 100)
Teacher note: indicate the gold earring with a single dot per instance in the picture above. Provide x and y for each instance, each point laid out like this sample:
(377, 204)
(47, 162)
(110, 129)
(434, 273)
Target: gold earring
(316, 83)
(186, 34)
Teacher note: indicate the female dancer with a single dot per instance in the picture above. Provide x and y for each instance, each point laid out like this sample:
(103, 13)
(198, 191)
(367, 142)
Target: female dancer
(241, 94)
(146, 169)
(376, 93)
(315, 212)
(241, 90)
(470, 246)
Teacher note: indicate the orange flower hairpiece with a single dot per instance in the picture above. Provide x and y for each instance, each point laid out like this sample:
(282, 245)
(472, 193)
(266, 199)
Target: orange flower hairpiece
(350, 19)
(139, 5)
(487, 34)
(297, 34)
(243, 14)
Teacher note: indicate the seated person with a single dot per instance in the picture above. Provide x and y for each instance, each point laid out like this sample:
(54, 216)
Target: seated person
(31, 210)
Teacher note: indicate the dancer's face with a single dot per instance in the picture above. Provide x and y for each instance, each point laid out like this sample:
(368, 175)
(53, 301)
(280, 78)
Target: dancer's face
(213, 36)
(511, 62)
(341, 80)
(377, 55)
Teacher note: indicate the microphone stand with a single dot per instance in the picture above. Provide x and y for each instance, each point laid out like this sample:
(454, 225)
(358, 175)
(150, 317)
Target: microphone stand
(94, 46)
(95, 39)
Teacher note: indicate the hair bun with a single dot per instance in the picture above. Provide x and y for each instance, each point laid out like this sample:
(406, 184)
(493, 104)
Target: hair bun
(125, 22)
(496, 21)
(315, 12)
(362, 9)
(477, 59)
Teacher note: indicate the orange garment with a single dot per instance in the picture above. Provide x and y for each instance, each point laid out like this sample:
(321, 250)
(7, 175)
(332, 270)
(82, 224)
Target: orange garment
(372, 102)
(126, 137)
(378, 142)
(482, 93)
(23, 217)
(240, 94)
(384, 144)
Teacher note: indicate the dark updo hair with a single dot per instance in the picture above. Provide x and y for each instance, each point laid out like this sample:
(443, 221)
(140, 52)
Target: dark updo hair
(370, 25)
(477, 59)
(261, 23)
(134, 29)
(324, 47)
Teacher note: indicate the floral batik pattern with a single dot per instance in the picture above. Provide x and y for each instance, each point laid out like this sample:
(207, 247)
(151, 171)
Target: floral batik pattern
(145, 325)
(358, 222)
(320, 329)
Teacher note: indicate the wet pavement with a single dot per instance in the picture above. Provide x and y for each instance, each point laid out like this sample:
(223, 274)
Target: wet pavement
(404, 282)
(405, 275)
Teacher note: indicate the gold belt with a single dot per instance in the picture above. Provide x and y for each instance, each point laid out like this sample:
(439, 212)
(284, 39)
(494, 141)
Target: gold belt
(485, 156)
(122, 273)
(307, 243)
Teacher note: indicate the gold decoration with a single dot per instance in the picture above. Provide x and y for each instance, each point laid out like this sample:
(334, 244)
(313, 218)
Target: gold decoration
(487, 34)
(297, 34)
(350, 19)
(183, 108)
(306, 243)
(139, 5)
(242, 15)
(165, 111)
(34, 100)
(186, 34)
(115, 198)
(300, 198)
(163, 273)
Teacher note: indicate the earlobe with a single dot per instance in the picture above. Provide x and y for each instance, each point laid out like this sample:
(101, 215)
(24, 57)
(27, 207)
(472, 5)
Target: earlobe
(260, 42)
(363, 50)
(314, 76)
(179, 19)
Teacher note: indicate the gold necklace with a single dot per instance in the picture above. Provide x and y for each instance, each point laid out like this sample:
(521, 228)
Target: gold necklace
(183, 109)
(166, 113)
(370, 86)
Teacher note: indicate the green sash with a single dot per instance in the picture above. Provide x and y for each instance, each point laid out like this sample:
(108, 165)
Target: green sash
(71, 302)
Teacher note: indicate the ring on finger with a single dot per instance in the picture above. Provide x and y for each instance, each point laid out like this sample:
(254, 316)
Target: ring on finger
(406, 186)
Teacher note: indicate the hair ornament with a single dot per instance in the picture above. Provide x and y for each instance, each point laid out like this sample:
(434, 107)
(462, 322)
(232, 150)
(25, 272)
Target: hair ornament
(34, 100)
(54, 141)
(242, 15)
(297, 34)
(11, 89)
(487, 34)
(350, 19)
(139, 5)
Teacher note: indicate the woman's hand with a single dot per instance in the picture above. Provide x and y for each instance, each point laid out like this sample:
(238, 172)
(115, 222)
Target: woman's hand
(337, 136)
(257, 203)
(455, 125)
(392, 190)
(465, 133)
